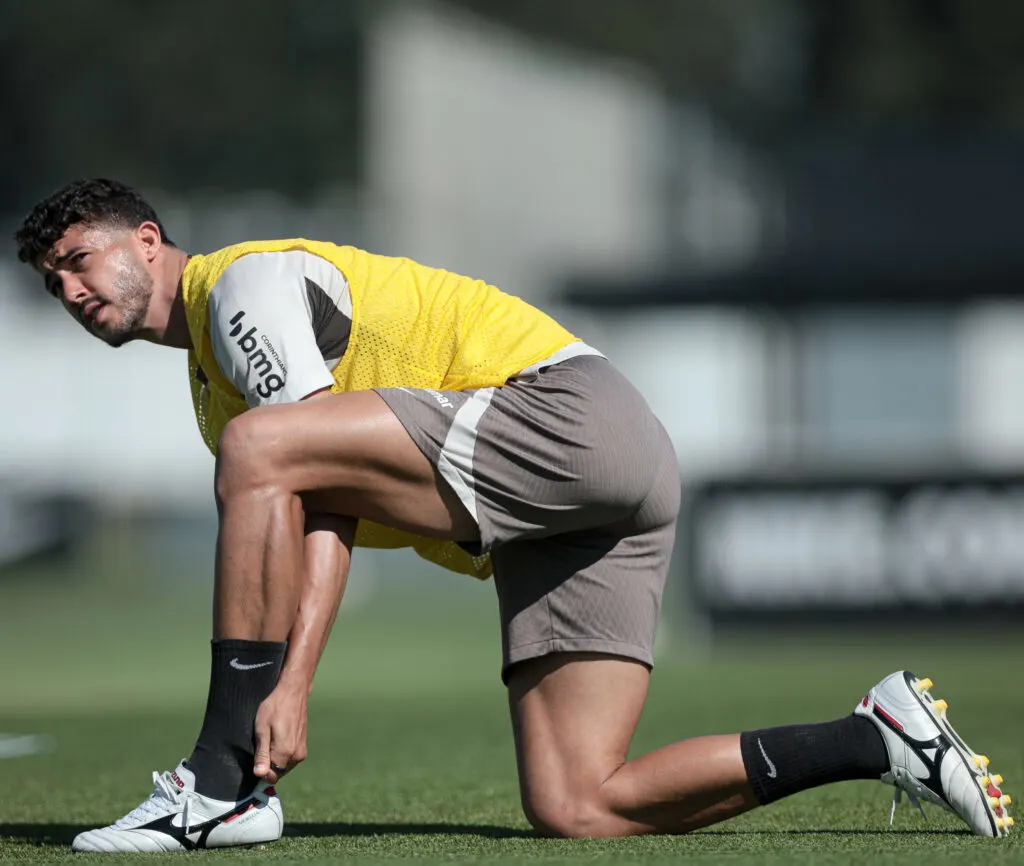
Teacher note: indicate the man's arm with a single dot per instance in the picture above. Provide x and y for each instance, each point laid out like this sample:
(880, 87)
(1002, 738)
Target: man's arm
(326, 558)
(279, 323)
(327, 555)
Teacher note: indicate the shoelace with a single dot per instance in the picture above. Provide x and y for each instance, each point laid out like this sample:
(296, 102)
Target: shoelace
(165, 797)
(897, 798)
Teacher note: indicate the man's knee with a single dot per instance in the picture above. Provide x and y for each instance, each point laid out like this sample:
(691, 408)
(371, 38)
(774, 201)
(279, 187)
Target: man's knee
(245, 455)
(569, 817)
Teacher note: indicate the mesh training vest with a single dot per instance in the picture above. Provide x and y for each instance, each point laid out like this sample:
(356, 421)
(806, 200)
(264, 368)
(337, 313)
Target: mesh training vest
(412, 326)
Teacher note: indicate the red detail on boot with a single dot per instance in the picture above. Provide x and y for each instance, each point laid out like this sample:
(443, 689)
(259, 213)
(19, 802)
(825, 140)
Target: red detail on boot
(240, 814)
(864, 702)
(885, 715)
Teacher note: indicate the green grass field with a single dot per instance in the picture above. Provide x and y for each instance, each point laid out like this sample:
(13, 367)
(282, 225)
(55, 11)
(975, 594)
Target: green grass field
(410, 749)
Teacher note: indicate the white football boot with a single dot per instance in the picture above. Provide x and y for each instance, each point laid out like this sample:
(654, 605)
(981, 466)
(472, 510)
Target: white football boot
(177, 818)
(929, 760)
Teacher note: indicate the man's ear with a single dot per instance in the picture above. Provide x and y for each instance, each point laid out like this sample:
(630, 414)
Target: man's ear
(149, 238)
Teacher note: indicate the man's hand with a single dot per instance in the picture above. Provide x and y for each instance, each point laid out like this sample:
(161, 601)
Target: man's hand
(280, 732)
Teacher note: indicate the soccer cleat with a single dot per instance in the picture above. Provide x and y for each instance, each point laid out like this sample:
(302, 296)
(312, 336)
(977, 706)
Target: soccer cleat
(177, 818)
(929, 760)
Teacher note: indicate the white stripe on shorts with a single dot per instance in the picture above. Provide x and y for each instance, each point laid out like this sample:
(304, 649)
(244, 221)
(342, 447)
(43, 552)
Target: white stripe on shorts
(455, 462)
(572, 350)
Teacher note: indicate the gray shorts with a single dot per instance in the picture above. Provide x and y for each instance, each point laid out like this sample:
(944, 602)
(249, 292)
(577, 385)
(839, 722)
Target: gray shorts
(575, 487)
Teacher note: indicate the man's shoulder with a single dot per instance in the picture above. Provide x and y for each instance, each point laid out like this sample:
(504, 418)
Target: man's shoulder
(216, 261)
(271, 245)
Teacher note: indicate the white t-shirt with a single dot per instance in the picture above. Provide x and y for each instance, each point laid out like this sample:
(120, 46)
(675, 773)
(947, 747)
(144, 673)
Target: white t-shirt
(279, 324)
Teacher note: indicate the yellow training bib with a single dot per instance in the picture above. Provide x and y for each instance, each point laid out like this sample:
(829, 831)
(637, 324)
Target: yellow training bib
(412, 326)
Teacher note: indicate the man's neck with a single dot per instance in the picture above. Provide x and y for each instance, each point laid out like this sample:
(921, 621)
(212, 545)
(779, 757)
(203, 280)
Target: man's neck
(168, 295)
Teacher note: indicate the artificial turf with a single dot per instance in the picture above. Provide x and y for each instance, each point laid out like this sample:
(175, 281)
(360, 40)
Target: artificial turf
(410, 749)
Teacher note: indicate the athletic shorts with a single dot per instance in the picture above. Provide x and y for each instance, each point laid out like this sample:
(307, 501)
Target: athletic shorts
(575, 487)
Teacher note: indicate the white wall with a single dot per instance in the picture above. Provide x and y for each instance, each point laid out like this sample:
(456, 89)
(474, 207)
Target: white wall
(990, 348)
(503, 158)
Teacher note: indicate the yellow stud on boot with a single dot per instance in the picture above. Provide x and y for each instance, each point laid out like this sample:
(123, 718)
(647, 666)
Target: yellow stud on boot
(940, 706)
(924, 685)
(981, 761)
(997, 780)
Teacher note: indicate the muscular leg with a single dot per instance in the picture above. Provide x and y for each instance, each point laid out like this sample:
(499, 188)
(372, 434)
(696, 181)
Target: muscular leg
(573, 716)
(345, 455)
(342, 454)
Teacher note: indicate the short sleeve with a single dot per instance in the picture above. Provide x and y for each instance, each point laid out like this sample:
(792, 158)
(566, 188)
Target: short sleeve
(261, 328)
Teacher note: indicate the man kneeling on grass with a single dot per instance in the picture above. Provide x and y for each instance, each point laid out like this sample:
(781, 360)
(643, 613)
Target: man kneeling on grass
(392, 404)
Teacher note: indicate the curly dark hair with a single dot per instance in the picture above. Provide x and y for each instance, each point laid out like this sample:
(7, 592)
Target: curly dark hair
(96, 202)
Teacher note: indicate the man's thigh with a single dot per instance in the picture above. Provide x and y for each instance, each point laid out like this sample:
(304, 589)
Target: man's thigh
(348, 454)
(590, 591)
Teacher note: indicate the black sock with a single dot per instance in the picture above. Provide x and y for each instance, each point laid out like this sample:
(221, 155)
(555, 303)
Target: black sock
(782, 761)
(242, 674)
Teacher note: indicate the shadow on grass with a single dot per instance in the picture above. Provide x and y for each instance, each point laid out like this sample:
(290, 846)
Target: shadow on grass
(493, 832)
(490, 831)
(893, 832)
(63, 834)
(42, 834)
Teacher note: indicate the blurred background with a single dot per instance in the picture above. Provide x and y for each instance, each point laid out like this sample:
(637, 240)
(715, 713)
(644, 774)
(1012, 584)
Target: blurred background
(794, 224)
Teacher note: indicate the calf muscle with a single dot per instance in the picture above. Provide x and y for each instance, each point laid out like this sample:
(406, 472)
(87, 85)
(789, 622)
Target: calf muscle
(259, 560)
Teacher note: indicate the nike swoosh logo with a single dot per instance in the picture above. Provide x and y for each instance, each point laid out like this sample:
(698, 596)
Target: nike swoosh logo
(772, 773)
(238, 666)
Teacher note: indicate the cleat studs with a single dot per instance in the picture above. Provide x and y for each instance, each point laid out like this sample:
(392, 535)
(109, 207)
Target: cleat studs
(1006, 800)
(985, 781)
(995, 801)
(940, 706)
(981, 761)
(1008, 821)
(924, 685)
(997, 779)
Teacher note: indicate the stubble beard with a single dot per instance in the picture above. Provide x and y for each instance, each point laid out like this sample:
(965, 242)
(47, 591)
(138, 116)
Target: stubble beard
(132, 293)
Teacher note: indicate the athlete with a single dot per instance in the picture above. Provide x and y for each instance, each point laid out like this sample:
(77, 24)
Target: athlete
(355, 399)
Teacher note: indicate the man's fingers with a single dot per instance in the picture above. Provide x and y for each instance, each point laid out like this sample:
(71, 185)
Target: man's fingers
(279, 741)
(280, 760)
(261, 762)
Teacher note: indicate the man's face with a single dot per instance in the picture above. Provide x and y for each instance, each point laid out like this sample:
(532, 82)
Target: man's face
(99, 275)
